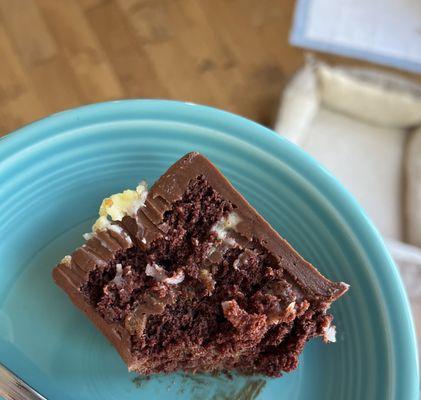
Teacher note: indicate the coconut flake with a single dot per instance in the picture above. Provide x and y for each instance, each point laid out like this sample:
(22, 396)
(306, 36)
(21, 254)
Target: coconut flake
(290, 309)
(66, 260)
(88, 236)
(230, 242)
(220, 230)
(157, 272)
(206, 278)
(232, 220)
(118, 279)
(329, 334)
(240, 260)
(177, 278)
(226, 224)
(142, 190)
(101, 224)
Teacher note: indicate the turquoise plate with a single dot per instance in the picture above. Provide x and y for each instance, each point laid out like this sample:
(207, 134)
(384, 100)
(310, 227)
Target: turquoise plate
(55, 172)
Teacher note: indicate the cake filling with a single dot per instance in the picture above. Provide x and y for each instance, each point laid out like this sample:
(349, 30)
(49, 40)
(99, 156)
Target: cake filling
(205, 296)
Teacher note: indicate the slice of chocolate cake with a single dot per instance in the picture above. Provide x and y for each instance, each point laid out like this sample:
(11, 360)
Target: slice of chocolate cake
(189, 276)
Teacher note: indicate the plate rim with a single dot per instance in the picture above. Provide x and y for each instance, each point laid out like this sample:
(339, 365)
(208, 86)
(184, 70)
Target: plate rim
(404, 336)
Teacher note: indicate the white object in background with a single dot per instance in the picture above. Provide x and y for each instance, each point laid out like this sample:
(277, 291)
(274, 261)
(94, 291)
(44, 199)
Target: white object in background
(383, 99)
(366, 159)
(382, 31)
(354, 122)
(405, 254)
(413, 194)
(299, 105)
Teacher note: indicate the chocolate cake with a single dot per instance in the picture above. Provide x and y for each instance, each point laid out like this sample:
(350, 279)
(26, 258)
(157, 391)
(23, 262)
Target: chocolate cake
(188, 276)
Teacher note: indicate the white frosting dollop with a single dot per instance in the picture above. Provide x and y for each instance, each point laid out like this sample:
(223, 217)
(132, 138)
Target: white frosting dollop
(117, 206)
(224, 225)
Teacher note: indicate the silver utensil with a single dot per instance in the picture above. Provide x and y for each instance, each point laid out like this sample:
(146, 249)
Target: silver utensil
(14, 388)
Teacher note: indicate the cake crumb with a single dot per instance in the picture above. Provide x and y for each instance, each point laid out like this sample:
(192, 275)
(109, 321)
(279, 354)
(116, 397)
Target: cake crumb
(207, 279)
(140, 380)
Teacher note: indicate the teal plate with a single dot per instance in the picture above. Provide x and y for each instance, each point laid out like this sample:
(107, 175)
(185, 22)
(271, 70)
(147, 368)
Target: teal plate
(55, 172)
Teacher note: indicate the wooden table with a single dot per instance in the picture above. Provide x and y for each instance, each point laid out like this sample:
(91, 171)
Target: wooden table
(57, 54)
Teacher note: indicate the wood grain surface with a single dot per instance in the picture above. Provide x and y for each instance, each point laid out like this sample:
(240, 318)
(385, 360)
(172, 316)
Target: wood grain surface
(57, 54)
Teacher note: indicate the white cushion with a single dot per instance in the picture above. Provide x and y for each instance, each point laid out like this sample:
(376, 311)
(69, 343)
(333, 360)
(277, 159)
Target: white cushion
(375, 97)
(366, 159)
(413, 193)
(347, 122)
(299, 104)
